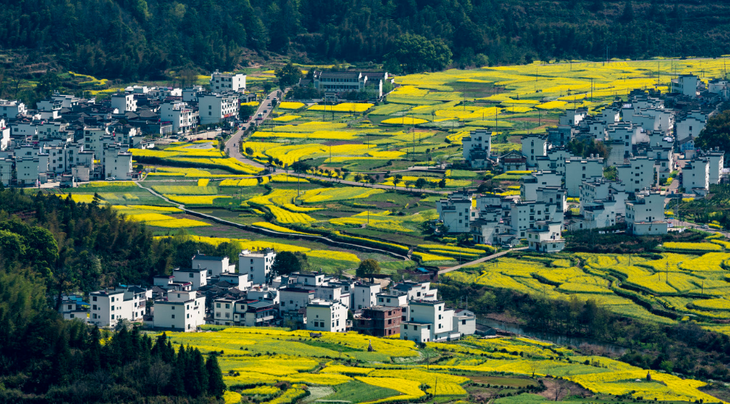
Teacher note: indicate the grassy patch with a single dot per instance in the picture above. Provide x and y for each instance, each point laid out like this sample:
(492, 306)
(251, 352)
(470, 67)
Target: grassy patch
(357, 391)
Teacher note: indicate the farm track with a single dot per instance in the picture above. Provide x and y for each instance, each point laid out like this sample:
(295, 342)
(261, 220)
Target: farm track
(269, 232)
(480, 260)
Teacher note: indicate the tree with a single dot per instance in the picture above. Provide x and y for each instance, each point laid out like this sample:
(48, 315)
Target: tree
(442, 183)
(216, 386)
(415, 53)
(421, 183)
(47, 84)
(367, 268)
(285, 263)
(246, 111)
(628, 14)
(716, 133)
(288, 75)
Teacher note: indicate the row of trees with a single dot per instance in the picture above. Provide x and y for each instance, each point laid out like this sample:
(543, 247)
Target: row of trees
(144, 39)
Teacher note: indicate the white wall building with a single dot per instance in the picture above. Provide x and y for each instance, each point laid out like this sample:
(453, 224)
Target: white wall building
(111, 305)
(696, 176)
(690, 125)
(182, 311)
(293, 298)
(536, 180)
(686, 84)
(179, 114)
(717, 163)
(534, 146)
(638, 174)
(645, 215)
(323, 315)
(225, 82)
(427, 313)
(197, 276)
(216, 266)
(364, 295)
(454, 212)
(216, 108)
(477, 147)
(579, 170)
(257, 265)
(117, 162)
(546, 237)
(124, 103)
(12, 109)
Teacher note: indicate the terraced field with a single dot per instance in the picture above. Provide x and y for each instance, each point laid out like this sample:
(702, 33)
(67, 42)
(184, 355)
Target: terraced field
(255, 361)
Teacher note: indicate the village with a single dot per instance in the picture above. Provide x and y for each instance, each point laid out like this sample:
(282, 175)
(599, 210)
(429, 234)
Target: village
(650, 145)
(211, 291)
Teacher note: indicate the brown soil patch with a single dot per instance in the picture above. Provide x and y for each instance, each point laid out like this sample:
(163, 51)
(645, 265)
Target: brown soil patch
(558, 389)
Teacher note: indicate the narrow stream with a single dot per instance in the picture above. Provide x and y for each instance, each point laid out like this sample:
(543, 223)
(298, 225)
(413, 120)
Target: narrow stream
(483, 324)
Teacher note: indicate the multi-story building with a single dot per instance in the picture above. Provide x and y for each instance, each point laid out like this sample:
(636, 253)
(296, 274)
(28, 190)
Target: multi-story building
(117, 162)
(477, 148)
(197, 276)
(432, 314)
(181, 311)
(533, 147)
(216, 108)
(379, 321)
(546, 237)
(578, 170)
(257, 265)
(645, 215)
(537, 180)
(111, 305)
(227, 82)
(247, 312)
(123, 103)
(12, 109)
(638, 174)
(696, 176)
(216, 266)
(294, 299)
(179, 114)
(364, 295)
(454, 212)
(323, 315)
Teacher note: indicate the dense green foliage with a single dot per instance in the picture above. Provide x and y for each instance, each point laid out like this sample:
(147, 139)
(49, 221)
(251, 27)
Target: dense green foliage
(716, 132)
(135, 39)
(684, 348)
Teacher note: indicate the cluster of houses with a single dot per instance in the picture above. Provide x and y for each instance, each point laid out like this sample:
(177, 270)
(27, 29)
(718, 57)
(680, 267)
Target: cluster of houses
(67, 138)
(211, 291)
(648, 143)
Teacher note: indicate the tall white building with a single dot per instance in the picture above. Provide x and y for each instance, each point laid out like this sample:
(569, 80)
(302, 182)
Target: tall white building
(257, 265)
(578, 170)
(696, 175)
(454, 212)
(111, 305)
(638, 174)
(364, 295)
(117, 162)
(197, 276)
(477, 147)
(429, 320)
(324, 315)
(216, 266)
(645, 215)
(534, 146)
(216, 108)
(226, 82)
(124, 103)
(12, 109)
(181, 311)
(179, 114)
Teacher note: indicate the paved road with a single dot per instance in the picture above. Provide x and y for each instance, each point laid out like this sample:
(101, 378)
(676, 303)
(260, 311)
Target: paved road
(369, 185)
(233, 145)
(480, 260)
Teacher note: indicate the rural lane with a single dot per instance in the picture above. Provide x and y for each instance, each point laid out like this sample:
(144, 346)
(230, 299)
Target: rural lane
(481, 260)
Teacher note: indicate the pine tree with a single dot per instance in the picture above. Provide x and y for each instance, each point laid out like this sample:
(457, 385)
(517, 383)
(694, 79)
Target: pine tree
(216, 386)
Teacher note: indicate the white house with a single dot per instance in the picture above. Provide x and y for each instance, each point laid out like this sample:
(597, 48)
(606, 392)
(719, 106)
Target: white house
(12, 109)
(578, 170)
(554, 160)
(216, 108)
(117, 162)
(690, 125)
(216, 266)
(27, 170)
(225, 82)
(111, 305)
(540, 179)
(71, 309)
(179, 114)
(534, 146)
(686, 84)
(454, 212)
(294, 299)
(477, 147)
(696, 176)
(6, 170)
(364, 295)
(197, 276)
(465, 322)
(414, 291)
(546, 237)
(124, 103)
(182, 311)
(323, 315)
(256, 265)
(717, 163)
(645, 215)
(429, 313)
(637, 174)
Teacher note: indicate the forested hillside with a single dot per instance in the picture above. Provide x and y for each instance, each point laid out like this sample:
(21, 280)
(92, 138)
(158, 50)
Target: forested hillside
(136, 39)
